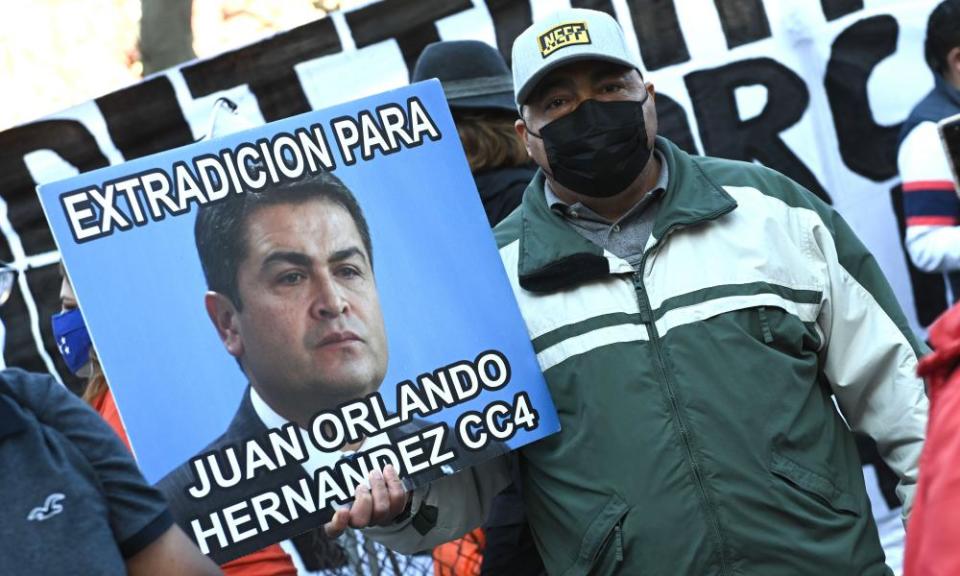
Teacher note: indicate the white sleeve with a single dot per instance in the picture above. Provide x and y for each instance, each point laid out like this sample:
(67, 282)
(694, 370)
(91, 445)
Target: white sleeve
(460, 503)
(869, 355)
(934, 248)
(930, 201)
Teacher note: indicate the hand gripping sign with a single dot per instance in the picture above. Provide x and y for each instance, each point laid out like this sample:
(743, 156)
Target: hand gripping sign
(281, 311)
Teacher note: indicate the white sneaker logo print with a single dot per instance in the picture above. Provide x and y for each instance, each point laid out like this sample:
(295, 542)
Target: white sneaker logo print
(51, 507)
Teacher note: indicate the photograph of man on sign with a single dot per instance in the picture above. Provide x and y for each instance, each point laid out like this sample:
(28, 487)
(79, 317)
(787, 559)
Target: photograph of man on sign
(293, 297)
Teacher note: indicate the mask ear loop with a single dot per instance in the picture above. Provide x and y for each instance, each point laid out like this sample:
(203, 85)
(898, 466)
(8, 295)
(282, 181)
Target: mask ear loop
(531, 132)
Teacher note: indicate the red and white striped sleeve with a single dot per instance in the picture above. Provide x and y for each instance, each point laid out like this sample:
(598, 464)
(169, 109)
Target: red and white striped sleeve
(930, 201)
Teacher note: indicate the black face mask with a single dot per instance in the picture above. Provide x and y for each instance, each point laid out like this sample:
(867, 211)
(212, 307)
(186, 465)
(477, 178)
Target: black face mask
(598, 149)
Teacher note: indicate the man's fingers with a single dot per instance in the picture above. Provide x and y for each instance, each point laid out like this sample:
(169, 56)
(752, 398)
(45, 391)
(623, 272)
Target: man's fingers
(362, 508)
(335, 527)
(380, 512)
(379, 504)
(397, 495)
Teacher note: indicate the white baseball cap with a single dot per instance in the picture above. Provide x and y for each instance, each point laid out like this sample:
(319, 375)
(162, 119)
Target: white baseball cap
(562, 37)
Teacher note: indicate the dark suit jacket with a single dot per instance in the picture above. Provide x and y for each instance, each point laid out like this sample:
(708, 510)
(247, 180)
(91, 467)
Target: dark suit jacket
(246, 424)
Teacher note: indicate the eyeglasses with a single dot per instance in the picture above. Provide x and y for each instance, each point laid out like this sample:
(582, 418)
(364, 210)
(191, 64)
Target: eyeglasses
(8, 277)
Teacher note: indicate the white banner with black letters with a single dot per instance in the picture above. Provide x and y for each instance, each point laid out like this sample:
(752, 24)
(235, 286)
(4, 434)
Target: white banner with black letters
(814, 88)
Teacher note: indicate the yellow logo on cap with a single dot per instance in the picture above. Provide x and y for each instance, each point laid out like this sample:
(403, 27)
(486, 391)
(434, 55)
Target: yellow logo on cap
(569, 34)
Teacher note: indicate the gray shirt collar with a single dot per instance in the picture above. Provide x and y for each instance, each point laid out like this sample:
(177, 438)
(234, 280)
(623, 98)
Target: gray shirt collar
(579, 210)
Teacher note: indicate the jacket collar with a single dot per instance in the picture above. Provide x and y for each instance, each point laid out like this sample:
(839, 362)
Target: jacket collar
(553, 256)
(947, 89)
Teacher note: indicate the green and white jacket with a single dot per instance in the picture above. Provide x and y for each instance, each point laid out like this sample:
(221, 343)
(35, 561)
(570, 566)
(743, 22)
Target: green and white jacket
(698, 431)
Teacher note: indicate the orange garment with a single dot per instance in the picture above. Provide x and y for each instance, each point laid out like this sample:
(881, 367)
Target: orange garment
(933, 533)
(462, 557)
(270, 561)
(107, 408)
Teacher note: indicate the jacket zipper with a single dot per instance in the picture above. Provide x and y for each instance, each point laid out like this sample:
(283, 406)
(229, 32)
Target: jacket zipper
(613, 538)
(765, 325)
(646, 316)
(618, 534)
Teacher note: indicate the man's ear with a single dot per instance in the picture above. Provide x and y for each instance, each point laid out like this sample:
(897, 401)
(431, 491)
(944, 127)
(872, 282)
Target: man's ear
(223, 314)
(521, 127)
(953, 65)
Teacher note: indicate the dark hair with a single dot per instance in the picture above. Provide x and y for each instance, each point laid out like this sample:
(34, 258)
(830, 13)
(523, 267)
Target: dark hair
(489, 139)
(220, 229)
(943, 34)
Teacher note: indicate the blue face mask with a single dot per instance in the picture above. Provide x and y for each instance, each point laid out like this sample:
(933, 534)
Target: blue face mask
(73, 340)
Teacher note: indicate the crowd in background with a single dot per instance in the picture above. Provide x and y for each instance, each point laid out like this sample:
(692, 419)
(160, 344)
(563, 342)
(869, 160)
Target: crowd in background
(127, 524)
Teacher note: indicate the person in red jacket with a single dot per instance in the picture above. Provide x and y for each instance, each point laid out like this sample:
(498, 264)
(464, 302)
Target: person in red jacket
(934, 529)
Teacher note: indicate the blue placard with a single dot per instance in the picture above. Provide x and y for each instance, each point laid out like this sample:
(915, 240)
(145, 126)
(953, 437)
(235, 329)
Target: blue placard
(296, 308)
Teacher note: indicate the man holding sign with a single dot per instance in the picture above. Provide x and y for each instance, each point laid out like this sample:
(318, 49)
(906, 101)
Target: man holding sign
(693, 318)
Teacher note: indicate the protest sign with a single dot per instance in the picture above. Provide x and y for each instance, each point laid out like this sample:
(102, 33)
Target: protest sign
(265, 302)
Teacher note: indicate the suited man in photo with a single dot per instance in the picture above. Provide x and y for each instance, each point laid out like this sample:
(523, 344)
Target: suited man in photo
(293, 297)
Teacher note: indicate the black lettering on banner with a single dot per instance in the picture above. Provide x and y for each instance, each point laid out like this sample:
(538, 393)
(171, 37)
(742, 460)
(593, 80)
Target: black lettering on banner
(412, 42)
(73, 142)
(724, 134)
(866, 147)
(658, 32)
(510, 18)
(411, 23)
(601, 5)
(672, 123)
(67, 139)
(929, 290)
(743, 21)
(834, 9)
(267, 68)
(145, 118)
